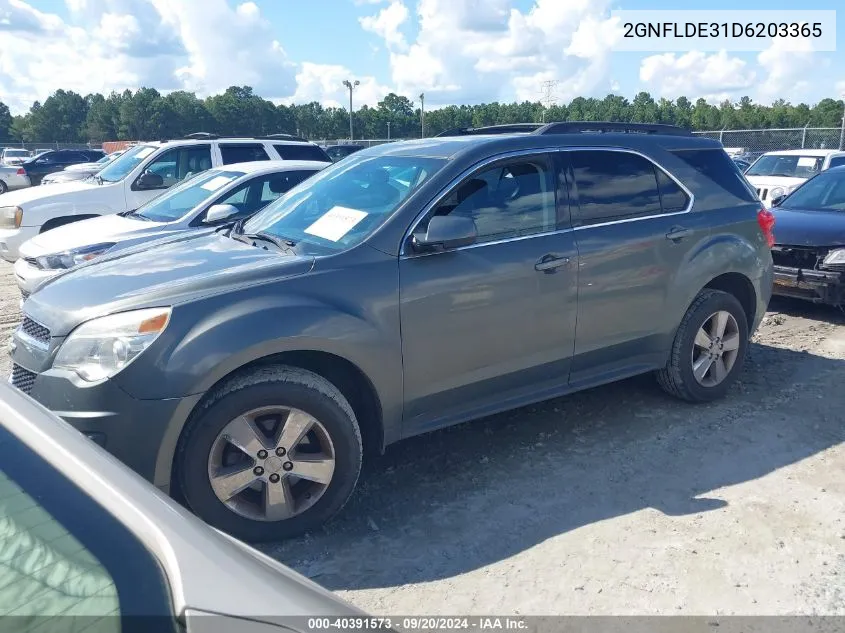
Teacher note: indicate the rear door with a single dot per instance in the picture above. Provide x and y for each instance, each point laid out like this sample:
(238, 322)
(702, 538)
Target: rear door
(493, 323)
(633, 231)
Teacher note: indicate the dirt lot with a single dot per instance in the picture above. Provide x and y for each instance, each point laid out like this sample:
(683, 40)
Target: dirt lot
(619, 500)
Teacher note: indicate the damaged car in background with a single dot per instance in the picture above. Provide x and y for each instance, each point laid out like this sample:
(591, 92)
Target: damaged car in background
(809, 250)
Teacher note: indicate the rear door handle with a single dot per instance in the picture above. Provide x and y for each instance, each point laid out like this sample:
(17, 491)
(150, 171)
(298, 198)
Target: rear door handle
(678, 233)
(551, 262)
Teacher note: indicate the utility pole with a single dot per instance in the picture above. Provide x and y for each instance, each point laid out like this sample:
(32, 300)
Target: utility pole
(842, 130)
(388, 130)
(351, 85)
(548, 98)
(422, 115)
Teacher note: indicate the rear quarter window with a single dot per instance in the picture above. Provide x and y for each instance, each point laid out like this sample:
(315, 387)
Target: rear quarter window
(302, 152)
(717, 166)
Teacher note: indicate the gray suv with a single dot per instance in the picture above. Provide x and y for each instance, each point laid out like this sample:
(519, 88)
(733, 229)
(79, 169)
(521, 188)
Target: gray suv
(409, 287)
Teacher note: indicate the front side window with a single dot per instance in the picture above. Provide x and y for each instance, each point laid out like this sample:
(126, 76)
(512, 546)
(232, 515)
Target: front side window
(242, 153)
(340, 206)
(786, 166)
(614, 185)
(258, 192)
(124, 164)
(176, 202)
(508, 200)
(180, 163)
(825, 192)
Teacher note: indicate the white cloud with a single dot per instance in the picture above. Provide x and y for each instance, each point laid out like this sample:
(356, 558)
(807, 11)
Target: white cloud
(786, 70)
(386, 24)
(324, 83)
(695, 74)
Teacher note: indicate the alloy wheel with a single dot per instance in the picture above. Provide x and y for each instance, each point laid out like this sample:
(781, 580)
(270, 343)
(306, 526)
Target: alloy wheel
(715, 349)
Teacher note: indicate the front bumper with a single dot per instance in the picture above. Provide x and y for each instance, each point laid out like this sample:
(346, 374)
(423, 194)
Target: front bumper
(12, 239)
(140, 433)
(29, 278)
(818, 286)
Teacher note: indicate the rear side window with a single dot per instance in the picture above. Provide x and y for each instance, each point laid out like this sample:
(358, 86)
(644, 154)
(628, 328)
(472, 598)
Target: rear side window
(614, 185)
(837, 161)
(242, 153)
(716, 165)
(672, 197)
(302, 152)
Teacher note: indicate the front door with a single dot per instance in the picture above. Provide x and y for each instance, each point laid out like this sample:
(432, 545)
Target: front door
(494, 322)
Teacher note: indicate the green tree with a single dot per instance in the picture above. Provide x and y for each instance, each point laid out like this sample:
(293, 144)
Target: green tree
(61, 118)
(5, 121)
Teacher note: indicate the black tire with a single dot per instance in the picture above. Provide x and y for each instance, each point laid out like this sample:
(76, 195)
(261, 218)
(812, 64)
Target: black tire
(271, 386)
(3, 187)
(677, 378)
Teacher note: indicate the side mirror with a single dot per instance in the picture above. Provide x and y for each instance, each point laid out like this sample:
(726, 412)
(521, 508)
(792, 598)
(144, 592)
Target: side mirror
(149, 180)
(446, 232)
(776, 201)
(219, 212)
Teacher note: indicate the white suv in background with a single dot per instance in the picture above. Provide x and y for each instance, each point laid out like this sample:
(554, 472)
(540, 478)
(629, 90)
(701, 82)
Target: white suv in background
(776, 174)
(139, 175)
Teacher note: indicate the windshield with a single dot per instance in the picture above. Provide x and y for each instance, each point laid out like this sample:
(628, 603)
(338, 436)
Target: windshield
(106, 159)
(121, 166)
(825, 192)
(177, 201)
(340, 206)
(790, 166)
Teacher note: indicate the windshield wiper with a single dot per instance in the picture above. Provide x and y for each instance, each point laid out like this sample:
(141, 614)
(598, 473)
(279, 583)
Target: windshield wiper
(282, 242)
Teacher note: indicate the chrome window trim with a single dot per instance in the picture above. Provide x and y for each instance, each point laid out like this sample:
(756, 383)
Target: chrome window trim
(447, 189)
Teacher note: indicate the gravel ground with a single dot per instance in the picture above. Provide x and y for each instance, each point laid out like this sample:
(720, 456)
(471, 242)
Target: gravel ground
(618, 500)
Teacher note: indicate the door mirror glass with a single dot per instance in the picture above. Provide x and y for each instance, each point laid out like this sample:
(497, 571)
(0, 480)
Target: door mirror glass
(446, 232)
(219, 212)
(149, 180)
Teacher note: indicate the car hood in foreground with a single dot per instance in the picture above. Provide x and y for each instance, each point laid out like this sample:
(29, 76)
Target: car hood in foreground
(106, 228)
(166, 274)
(798, 227)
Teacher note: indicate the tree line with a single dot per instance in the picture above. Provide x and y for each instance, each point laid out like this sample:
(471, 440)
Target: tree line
(146, 114)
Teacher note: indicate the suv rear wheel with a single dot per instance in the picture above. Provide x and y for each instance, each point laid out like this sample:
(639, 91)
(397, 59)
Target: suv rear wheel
(709, 348)
(272, 455)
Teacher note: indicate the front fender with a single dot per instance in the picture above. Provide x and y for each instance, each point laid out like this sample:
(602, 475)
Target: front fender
(40, 214)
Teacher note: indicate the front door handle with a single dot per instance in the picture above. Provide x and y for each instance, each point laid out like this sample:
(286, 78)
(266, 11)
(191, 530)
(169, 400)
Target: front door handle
(677, 233)
(551, 262)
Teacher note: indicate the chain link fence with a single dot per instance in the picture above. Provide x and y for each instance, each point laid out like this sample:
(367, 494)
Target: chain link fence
(36, 147)
(774, 139)
(369, 142)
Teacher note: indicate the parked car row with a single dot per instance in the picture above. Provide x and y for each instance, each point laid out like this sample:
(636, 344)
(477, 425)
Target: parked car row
(80, 171)
(249, 366)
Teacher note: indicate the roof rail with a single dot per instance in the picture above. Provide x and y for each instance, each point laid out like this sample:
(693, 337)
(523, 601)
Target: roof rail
(592, 127)
(201, 136)
(506, 128)
(284, 137)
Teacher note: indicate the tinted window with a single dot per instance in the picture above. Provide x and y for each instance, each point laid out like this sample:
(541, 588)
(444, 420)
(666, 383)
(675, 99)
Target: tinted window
(837, 161)
(63, 554)
(277, 184)
(672, 197)
(74, 157)
(718, 167)
(242, 153)
(302, 152)
(177, 164)
(508, 200)
(50, 158)
(825, 192)
(614, 185)
(261, 191)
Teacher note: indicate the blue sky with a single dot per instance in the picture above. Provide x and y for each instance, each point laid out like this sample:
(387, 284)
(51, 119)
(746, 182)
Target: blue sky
(457, 51)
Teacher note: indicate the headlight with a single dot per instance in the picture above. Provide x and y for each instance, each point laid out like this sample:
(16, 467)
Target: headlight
(11, 217)
(776, 192)
(72, 257)
(835, 257)
(100, 348)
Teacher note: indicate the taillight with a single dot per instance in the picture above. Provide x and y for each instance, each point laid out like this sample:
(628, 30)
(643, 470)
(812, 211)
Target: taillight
(21, 171)
(766, 220)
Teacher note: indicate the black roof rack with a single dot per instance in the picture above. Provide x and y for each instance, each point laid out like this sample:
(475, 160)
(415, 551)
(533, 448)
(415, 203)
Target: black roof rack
(507, 128)
(592, 127)
(571, 127)
(284, 137)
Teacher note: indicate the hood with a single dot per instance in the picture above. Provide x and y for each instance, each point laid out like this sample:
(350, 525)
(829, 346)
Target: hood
(794, 227)
(31, 195)
(165, 274)
(66, 176)
(83, 167)
(106, 228)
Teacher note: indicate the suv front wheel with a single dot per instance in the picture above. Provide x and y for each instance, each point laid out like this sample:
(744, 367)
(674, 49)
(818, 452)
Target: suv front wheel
(275, 453)
(709, 348)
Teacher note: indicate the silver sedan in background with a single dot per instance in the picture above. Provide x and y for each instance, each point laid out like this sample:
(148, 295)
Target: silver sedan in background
(84, 536)
(13, 177)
